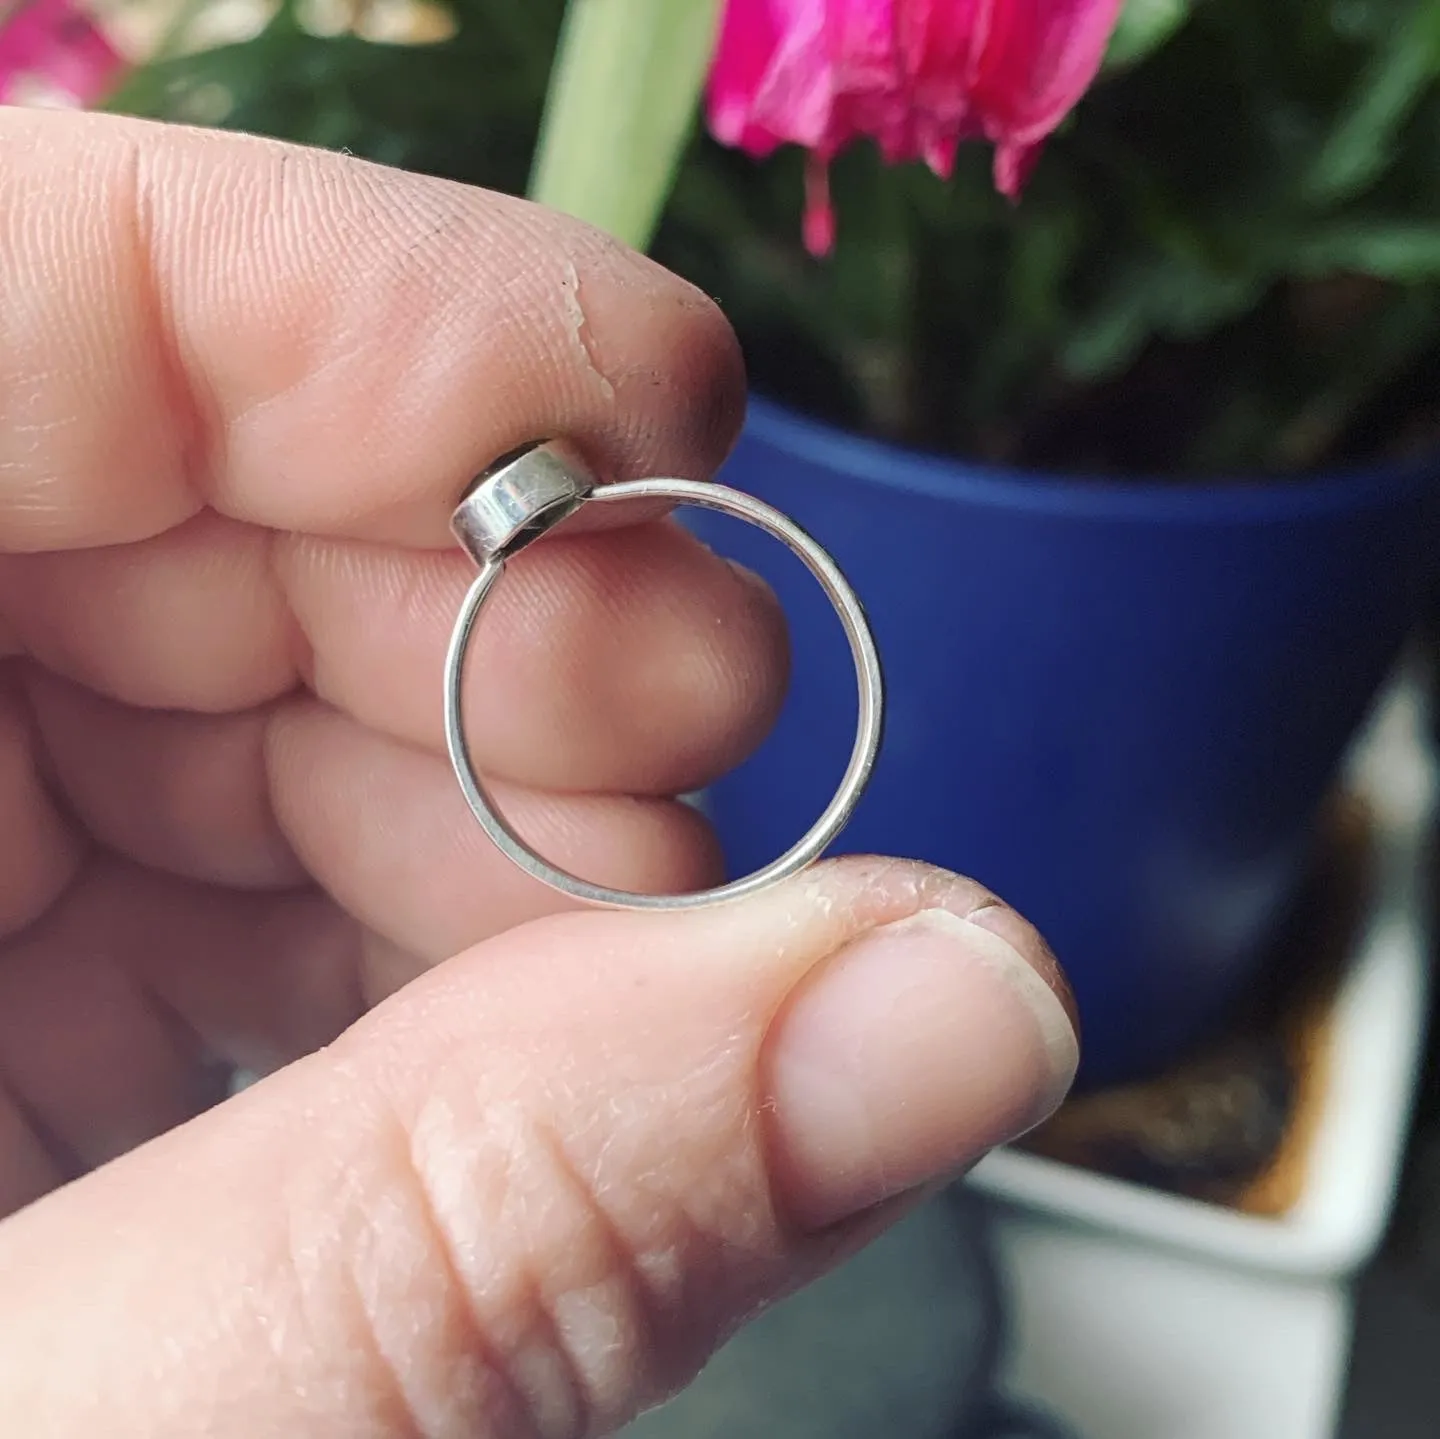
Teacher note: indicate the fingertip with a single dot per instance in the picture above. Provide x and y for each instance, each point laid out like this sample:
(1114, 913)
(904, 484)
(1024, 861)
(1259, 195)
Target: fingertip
(907, 1055)
(759, 640)
(679, 661)
(609, 286)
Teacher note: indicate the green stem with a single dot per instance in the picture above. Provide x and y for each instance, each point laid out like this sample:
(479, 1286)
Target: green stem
(621, 105)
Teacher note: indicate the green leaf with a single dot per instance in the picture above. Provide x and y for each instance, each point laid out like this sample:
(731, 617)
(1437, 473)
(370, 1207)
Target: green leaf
(1362, 143)
(1166, 297)
(620, 108)
(1405, 252)
(1144, 26)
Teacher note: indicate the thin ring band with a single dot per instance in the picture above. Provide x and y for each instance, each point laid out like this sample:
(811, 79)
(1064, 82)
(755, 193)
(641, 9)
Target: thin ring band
(868, 682)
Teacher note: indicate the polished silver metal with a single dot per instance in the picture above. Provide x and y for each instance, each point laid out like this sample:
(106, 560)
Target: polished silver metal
(518, 498)
(536, 488)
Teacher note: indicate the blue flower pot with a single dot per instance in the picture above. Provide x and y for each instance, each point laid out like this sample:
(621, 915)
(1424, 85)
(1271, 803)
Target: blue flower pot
(1119, 706)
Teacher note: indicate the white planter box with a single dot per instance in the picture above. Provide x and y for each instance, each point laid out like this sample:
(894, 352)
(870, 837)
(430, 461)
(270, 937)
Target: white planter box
(1139, 1315)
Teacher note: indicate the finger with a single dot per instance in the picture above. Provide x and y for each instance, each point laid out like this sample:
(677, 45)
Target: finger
(636, 662)
(307, 342)
(179, 792)
(384, 828)
(123, 1009)
(191, 619)
(382, 824)
(532, 1191)
(29, 1169)
(91, 1056)
(39, 852)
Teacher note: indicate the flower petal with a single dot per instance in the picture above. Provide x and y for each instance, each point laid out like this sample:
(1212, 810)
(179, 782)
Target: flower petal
(918, 76)
(1015, 160)
(772, 80)
(872, 96)
(749, 35)
(796, 99)
(54, 43)
(941, 42)
(1039, 58)
(818, 230)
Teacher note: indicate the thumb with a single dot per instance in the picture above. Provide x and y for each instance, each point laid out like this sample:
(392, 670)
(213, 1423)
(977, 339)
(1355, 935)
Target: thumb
(532, 1192)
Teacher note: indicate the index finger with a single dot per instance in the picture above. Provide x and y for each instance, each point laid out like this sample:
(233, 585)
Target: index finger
(168, 344)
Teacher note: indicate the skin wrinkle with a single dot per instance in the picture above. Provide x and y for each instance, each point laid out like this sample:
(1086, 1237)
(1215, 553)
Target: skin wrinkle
(35, 499)
(529, 1333)
(315, 1311)
(543, 1385)
(311, 363)
(599, 1379)
(412, 243)
(22, 388)
(678, 1256)
(426, 1046)
(742, 1261)
(161, 343)
(121, 216)
(400, 1410)
(299, 647)
(695, 1247)
(263, 255)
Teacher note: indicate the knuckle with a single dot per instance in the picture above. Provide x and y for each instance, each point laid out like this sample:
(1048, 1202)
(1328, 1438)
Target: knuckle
(493, 1291)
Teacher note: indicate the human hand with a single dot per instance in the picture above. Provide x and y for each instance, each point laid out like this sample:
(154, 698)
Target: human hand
(514, 1171)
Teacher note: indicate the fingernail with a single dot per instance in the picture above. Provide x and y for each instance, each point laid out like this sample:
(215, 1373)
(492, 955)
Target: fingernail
(908, 1055)
(1022, 936)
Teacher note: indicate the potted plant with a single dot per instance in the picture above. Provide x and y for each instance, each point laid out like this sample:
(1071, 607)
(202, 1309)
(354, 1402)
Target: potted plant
(1135, 468)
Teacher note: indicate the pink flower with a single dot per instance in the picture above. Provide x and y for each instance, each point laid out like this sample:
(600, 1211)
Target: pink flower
(918, 76)
(54, 48)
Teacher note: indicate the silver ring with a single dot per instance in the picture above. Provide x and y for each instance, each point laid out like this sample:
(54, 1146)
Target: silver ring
(529, 492)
